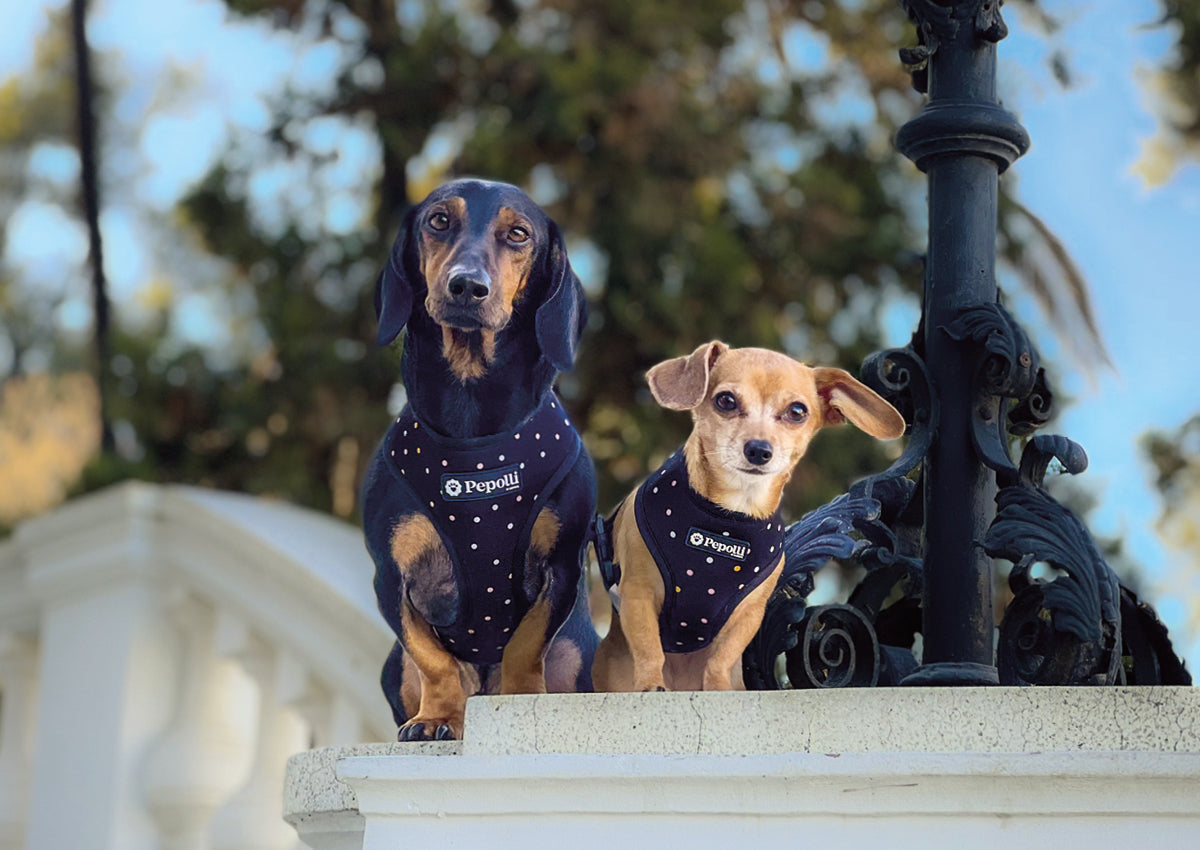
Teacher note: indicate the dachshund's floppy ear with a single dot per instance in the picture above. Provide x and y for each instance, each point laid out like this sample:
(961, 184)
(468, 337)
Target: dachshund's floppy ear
(562, 315)
(393, 289)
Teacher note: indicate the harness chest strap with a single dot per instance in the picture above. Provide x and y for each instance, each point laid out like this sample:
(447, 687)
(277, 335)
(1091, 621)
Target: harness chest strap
(483, 496)
(710, 558)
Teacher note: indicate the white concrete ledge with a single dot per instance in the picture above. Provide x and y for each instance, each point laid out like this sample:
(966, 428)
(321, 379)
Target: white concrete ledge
(858, 768)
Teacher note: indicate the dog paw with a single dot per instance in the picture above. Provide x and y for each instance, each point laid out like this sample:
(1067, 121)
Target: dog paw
(426, 730)
(653, 689)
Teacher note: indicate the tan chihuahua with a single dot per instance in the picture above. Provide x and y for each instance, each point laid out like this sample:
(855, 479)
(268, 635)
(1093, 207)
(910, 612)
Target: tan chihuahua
(698, 548)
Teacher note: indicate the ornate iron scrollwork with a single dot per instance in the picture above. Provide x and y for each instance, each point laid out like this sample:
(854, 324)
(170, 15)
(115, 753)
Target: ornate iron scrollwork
(1008, 368)
(938, 22)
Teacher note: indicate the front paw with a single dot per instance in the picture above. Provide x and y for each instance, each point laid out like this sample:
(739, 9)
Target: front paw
(429, 729)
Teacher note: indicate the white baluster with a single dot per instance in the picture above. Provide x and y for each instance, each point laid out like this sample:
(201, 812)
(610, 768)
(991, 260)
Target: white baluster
(252, 818)
(205, 752)
(17, 699)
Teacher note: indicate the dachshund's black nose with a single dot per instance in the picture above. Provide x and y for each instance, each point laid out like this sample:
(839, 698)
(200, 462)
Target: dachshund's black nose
(757, 452)
(470, 287)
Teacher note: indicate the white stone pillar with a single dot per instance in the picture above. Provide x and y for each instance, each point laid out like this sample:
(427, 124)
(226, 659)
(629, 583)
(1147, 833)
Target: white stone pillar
(252, 817)
(204, 754)
(105, 673)
(18, 686)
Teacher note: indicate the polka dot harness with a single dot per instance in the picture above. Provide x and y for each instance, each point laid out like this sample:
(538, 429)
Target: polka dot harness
(483, 495)
(710, 558)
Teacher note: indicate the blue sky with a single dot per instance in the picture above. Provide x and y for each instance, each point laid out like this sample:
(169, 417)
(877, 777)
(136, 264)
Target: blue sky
(1136, 245)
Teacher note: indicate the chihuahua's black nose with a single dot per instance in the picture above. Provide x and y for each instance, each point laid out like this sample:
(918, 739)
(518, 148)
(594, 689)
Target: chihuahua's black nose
(757, 452)
(469, 288)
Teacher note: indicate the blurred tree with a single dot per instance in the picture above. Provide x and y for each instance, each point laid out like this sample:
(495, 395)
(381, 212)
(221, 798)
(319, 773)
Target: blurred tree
(1176, 87)
(1176, 460)
(721, 169)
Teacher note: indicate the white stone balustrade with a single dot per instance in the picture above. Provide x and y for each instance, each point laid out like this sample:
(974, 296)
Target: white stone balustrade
(162, 651)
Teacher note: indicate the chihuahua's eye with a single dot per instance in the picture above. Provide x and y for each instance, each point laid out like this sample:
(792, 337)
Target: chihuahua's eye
(439, 221)
(797, 411)
(726, 402)
(518, 235)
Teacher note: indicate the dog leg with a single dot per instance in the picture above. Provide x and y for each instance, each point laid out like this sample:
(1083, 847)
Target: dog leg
(729, 644)
(443, 701)
(523, 666)
(426, 594)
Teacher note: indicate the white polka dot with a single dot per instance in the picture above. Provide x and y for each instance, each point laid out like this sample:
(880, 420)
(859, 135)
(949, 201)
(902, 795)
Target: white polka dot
(470, 631)
(487, 619)
(518, 498)
(508, 602)
(543, 454)
(475, 649)
(431, 504)
(516, 436)
(537, 436)
(704, 620)
(558, 436)
(405, 430)
(725, 533)
(510, 525)
(711, 591)
(476, 519)
(673, 483)
(501, 458)
(689, 572)
(427, 470)
(772, 548)
(668, 511)
(679, 643)
(700, 638)
(756, 569)
(397, 421)
(506, 631)
(522, 465)
(479, 466)
(708, 560)
(404, 472)
(406, 451)
(655, 490)
(510, 576)
(492, 589)
(672, 535)
(683, 624)
(495, 507)
(445, 463)
(393, 452)
(496, 562)
(452, 517)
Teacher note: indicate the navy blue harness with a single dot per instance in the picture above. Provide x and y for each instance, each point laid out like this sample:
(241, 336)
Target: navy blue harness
(483, 496)
(710, 558)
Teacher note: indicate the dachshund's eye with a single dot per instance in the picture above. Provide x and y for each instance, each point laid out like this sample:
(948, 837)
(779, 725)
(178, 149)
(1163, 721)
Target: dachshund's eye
(439, 221)
(518, 235)
(797, 411)
(726, 402)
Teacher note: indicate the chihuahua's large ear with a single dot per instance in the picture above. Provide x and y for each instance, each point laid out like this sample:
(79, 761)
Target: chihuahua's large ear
(393, 289)
(563, 313)
(682, 382)
(845, 398)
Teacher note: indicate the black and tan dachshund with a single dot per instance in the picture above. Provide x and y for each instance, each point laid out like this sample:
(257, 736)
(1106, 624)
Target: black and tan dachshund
(477, 504)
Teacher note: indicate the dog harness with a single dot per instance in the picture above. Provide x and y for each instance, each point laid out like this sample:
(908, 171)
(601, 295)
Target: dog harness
(483, 495)
(710, 558)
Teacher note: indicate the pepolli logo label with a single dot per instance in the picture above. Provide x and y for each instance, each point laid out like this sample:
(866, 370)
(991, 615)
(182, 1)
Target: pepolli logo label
(467, 486)
(718, 544)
